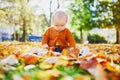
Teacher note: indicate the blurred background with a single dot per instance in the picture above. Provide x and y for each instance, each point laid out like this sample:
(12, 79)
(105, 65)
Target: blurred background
(90, 21)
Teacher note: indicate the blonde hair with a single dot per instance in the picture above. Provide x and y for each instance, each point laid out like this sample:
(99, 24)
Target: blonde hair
(58, 15)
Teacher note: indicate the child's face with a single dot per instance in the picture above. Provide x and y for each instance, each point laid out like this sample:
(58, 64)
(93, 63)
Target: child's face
(59, 20)
(60, 24)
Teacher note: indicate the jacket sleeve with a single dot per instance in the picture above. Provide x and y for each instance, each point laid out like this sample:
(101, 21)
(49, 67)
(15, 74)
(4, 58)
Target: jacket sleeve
(70, 38)
(45, 38)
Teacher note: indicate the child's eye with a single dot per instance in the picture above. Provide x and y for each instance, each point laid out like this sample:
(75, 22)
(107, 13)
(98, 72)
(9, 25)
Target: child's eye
(59, 25)
(56, 25)
(62, 25)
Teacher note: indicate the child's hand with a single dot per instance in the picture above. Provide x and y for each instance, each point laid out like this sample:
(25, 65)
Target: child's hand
(52, 48)
(74, 52)
(45, 46)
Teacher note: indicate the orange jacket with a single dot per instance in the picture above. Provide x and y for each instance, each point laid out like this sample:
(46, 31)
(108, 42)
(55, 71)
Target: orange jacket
(64, 38)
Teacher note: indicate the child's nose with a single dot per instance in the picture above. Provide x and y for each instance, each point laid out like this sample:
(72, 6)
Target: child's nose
(59, 26)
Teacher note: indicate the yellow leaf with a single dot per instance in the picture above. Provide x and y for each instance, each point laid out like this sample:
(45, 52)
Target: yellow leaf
(45, 65)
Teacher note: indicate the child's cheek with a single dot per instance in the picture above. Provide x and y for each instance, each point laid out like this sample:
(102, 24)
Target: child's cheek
(63, 28)
(56, 28)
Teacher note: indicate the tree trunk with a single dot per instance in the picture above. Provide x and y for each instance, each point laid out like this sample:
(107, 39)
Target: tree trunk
(24, 31)
(15, 35)
(50, 12)
(81, 35)
(117, 36)
(58, 4)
